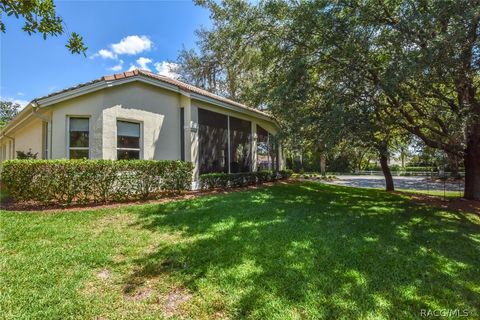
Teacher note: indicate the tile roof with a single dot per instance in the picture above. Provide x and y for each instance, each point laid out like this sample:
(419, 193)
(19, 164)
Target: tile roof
(179, 84)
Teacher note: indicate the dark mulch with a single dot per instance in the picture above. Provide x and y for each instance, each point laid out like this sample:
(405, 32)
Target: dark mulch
(457, 204)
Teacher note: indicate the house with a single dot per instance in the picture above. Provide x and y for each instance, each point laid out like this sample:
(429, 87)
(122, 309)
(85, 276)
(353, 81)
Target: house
(143, 115)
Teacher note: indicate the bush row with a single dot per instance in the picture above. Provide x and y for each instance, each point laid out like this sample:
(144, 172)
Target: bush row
(232, 180)
(90, 181)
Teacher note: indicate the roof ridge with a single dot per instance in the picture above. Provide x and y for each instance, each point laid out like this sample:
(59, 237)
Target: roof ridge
(192, 88)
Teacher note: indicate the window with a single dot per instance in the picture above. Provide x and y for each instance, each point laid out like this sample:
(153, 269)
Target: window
(78, 147)
(128, 140)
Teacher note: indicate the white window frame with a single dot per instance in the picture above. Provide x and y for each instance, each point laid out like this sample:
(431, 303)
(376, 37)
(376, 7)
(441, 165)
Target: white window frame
(140, 142)
(89, 135)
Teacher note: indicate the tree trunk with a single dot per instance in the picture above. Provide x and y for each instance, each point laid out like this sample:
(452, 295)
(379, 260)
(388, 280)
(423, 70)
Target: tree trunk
(323, 164)
(453, 160)
(383, 151)
(472, 163)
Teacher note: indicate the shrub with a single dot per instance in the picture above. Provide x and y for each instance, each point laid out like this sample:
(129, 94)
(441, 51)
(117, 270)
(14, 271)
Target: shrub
(27, 155)
(89, 181)
(231, 180)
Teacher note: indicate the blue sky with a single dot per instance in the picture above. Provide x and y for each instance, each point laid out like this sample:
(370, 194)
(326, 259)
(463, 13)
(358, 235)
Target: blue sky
(119, 35)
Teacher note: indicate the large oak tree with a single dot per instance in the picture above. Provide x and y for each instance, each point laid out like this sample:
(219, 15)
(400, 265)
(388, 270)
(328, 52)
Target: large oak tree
(398, 65)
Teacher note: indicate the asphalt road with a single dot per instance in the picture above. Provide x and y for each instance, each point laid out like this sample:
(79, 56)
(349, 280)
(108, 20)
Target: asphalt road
(416, 183)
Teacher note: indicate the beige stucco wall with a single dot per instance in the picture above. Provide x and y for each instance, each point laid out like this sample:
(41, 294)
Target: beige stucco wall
(29, 137)
(158, 111)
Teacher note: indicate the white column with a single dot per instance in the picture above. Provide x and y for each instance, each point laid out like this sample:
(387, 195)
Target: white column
(254, 147)
(281, 158)
(190, 126)
(229, 156)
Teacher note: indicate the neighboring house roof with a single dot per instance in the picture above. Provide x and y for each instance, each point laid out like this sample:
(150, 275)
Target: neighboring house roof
(109, 80)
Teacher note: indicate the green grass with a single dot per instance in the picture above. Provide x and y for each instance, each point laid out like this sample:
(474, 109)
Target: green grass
(285, 252)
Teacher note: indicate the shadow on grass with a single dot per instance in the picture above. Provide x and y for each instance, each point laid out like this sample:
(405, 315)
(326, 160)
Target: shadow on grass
(313, 250)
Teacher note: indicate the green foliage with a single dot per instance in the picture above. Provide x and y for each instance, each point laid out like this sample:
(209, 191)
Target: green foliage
(90, 181)
(232, 180)
(8, 110)
(75, 44)
(340, 163)
(361, 71)
(22, 155)
(40, 16)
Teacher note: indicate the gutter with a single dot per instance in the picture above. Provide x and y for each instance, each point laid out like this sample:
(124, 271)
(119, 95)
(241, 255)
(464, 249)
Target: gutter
(5, 136)
(20, 118)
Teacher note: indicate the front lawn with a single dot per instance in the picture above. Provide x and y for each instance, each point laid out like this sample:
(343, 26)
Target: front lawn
(290, 251)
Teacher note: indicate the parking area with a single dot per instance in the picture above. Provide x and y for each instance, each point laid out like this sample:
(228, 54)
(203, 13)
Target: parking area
(413, 183)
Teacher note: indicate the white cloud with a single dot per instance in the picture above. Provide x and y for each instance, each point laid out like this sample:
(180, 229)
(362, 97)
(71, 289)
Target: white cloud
(132, 45)
(107, 54)
(117, 67)
(167, 69)
(129, 45)
(20, 93)
(21, 102)
(142, 62)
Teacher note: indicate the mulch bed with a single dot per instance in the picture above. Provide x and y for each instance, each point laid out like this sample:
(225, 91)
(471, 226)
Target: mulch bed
(456, 204)
(35, 206)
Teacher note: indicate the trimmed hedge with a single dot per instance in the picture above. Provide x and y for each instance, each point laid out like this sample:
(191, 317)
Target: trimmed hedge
(232, 180)
(91, 181)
